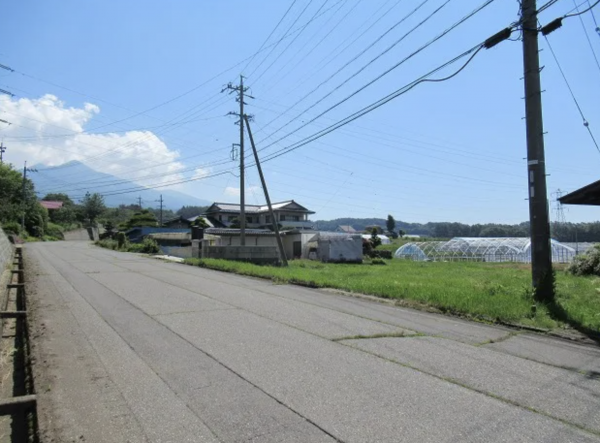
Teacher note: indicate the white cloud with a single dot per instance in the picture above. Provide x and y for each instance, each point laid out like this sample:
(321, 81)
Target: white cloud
(46, 132)
(235, 192)
(201, 173)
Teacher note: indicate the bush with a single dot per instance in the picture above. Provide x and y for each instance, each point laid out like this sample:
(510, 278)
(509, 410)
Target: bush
(586, 264)
(11, 228)
(378, 261)
(149, 246)
(55, 231)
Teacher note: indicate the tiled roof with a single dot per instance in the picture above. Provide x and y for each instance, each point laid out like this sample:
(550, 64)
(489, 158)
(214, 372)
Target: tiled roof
(253, 209)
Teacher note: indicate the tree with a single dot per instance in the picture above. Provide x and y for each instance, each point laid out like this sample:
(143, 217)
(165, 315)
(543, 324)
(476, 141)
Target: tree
(235, 223)
(401, 233)
(390, 223)
(92, 207)
(17, 196)
(201, 223)
(191, 211)
(374, 240)
(141, 218)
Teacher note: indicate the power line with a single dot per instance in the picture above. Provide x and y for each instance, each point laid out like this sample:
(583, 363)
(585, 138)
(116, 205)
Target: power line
(293, 40)
(379, 77)
(273, 84)
(280, 40)
(270, 35)
(585, 29)
(585, 122)
(381, 102)
(402, 20)
(336, 52)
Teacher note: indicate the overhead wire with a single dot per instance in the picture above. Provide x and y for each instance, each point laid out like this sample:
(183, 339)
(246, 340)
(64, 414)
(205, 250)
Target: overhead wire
(337, 52)
(386, 72)
(585, 29)
(273, 83)
(562, 73)
(356, 57)
(270, 35)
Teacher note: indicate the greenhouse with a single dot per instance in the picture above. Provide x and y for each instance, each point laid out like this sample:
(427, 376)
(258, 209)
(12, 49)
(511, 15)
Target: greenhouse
(488, 249)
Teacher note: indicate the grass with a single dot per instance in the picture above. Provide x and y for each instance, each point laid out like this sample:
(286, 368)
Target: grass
(485, 291)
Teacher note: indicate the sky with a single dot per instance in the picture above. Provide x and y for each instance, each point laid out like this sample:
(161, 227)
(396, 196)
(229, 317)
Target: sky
(134, 89)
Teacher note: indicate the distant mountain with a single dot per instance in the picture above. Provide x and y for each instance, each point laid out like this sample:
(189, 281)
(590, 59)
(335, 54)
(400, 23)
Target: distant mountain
(361, 223)
(94, 181)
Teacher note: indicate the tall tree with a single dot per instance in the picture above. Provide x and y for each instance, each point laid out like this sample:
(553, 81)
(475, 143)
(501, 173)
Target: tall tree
(92, 207)
(390, 223)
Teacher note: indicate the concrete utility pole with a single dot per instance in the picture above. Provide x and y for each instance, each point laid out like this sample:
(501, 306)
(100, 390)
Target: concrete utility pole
(140, 202)
(2, 151)
(241, 95)
(267, 198)
(242, 178)
(541, 252)
(161, 210)
(23, 213)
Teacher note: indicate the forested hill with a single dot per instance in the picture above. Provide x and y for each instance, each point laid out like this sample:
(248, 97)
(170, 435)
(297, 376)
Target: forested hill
(567, 232)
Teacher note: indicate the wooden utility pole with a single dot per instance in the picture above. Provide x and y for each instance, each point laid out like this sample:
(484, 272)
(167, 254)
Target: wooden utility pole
(282, 256)
(541, 252)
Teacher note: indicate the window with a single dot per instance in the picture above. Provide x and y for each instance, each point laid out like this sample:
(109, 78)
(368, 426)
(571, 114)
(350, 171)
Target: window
(282, 217)
(249, 220)
(296, 218)
(268, 219)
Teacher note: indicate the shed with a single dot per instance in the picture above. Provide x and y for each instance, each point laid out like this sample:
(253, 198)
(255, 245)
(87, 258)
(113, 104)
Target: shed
(339, 248)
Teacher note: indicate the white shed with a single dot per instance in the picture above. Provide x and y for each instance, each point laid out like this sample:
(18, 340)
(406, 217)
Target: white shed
(334, 247)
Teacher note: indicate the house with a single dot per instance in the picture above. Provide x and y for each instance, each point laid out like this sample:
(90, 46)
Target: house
(48, 204)
(288, 214)
(177, 222)
(346, 228)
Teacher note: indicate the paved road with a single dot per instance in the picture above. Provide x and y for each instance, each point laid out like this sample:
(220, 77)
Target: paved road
(138, 350)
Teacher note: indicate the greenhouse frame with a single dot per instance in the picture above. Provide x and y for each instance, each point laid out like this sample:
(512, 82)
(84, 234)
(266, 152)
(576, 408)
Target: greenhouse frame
(484, 249)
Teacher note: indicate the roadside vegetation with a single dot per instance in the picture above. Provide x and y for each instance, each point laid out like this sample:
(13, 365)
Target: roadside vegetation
(147, 246)
(495, 292)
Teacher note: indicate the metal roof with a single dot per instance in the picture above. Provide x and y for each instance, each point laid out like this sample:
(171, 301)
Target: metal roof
(588, 195)
(51, 204)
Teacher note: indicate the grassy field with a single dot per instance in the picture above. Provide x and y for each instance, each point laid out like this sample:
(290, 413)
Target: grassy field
(486, 291)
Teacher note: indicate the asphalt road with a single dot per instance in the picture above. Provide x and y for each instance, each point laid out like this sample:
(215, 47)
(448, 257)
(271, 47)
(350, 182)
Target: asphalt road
(132, 349)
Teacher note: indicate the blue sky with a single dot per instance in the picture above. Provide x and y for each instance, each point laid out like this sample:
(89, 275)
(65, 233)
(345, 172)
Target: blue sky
(87, 75)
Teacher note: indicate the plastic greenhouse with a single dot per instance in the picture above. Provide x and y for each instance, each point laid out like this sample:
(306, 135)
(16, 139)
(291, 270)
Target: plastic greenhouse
(488, 249)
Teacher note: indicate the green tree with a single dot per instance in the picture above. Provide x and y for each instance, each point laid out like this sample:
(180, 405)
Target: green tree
(374, 240)
(235, 223)
(401, 233)
(142, 218)
(201, 223)
(92, 207)
(390, 223)
(17, 197)
(191, 211)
